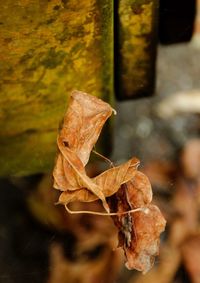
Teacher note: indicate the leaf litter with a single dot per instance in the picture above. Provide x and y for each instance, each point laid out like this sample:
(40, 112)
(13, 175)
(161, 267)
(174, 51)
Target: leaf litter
(124, 191)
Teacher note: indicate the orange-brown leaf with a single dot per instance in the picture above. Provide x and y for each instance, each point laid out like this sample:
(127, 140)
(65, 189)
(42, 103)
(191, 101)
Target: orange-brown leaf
(83, 123)
(124, 187)
(138, 232)
(144, 246)
(76, 175)
(108, 183)
(139, 192)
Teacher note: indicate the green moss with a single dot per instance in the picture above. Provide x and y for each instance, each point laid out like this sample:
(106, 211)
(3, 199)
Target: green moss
(137, 46)
(28, 153)
(48, 49)
(107, 46)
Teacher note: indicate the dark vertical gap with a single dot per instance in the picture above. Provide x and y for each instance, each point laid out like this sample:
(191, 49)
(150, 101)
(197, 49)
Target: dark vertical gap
(153, 43)
(176, 20)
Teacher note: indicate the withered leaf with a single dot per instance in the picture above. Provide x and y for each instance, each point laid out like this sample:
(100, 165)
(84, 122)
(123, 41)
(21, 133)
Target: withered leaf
(138, 232)
(83, 123)
(191, 257)
(69, 173)
(123, 186)
(108, 183)
(146, 229)
(139, 192)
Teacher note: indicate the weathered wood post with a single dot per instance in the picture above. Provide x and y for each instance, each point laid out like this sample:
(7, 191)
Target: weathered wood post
(137, 44)
(48, 49)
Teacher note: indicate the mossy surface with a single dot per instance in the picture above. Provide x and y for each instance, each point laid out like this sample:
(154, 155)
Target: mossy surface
(48, 49)
(137, 43)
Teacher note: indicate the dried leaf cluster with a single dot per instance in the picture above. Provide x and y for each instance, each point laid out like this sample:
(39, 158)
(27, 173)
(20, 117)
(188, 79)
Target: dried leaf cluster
(124, 191)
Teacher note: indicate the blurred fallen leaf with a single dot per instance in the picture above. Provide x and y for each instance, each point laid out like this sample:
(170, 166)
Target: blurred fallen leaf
(104, 267)
(191, 257)
(180, 102)
(190, 159)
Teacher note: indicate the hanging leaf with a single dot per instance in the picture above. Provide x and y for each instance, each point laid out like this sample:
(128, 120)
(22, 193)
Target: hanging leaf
(108, 183)
(83, 123)
(124, 191)
(139, 231)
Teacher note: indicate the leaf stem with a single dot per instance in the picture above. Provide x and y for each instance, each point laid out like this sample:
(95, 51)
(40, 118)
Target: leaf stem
(105, 158)
(142, 209)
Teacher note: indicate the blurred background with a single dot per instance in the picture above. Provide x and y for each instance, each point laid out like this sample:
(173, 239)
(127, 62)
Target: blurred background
(142, 57)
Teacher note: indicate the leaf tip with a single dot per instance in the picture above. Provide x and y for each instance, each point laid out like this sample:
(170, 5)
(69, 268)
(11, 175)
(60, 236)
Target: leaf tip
(114, 111)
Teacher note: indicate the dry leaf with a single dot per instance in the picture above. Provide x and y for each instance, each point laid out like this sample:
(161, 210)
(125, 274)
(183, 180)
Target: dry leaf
(139, 192)
(83, 123)
(125, 188)
(165, 271)
(190, 159)
(80, 131)
(104, 268)
(146, 229)
(138, 232)
(108, 182)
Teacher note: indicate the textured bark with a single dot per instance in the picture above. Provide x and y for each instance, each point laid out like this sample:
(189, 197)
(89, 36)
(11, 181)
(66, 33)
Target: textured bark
(137, 47)
(47, 49)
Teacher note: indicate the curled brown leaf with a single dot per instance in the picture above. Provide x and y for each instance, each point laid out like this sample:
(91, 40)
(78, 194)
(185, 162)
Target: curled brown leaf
(138, 232)
(108, 183)
(125, 188)
(83, 123)
(144, 246)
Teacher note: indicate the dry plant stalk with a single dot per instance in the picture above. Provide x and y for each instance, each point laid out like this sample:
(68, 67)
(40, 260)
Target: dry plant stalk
(125, 192)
